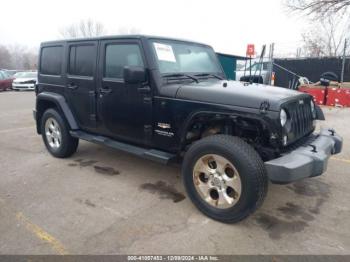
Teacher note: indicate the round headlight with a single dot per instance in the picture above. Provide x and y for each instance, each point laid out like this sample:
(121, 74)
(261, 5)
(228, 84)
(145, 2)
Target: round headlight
(283, 117)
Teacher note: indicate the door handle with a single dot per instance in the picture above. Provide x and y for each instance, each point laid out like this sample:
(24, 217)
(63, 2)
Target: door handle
(105, 90)
(144, 90)
(72, 86)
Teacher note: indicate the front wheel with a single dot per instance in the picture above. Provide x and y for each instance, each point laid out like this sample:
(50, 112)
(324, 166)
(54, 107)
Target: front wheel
(224, 177)
(55, 133)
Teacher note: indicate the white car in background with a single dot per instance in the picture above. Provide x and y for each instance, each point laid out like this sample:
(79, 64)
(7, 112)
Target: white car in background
(25, 80)
(256, 68)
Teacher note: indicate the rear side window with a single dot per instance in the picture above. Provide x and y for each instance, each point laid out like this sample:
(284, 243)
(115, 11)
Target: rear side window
(120, 55)
(51, 60)
(81, 60)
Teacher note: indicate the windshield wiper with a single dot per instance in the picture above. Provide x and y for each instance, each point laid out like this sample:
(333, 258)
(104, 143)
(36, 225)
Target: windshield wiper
(213, 75)
(182, 75)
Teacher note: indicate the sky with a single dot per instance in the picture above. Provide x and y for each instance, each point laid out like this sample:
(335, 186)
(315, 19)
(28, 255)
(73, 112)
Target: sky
(227, 25)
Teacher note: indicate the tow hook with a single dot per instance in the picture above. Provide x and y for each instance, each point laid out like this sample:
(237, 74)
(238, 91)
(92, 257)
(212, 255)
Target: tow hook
(313, 148)
(331, 131)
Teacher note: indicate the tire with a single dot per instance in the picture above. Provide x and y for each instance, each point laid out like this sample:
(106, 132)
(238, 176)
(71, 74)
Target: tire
(59, 143)
(244, 167)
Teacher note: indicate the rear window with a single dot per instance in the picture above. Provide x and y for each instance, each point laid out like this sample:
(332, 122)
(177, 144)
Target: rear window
(81, 60)
(51, 60)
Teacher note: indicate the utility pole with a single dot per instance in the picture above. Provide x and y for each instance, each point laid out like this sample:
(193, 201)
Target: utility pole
(344, 60)
(271, 50)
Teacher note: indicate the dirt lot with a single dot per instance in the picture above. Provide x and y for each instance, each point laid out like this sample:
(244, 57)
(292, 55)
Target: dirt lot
(104, 201)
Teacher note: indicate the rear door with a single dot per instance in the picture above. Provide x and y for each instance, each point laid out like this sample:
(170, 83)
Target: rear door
(125, 111)
(81, 82)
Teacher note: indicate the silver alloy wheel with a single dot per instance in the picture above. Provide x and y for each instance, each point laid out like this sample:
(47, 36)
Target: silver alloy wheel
(53, 133)
(217, 181)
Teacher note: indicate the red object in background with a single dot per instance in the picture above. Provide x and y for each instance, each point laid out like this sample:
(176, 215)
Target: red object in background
(5, 81)
(250, 50)
(338, 97)
(319, 94)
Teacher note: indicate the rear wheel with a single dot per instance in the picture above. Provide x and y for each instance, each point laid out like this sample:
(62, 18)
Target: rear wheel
(55, 133)
(224, 177)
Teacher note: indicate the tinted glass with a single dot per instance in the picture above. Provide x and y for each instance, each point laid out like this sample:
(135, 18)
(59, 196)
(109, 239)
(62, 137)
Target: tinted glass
(51, 60)
(120, 55)
(82, 60)
(6, 75)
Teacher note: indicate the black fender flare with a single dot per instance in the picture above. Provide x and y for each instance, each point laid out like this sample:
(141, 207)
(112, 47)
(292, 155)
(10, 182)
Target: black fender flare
(189, 120)
(319, 113)
(61, 103)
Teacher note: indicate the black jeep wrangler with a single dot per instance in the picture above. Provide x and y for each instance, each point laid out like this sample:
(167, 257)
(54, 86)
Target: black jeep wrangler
(169, 100)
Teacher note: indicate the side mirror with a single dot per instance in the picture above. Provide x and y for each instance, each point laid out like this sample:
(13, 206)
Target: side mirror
(134, 74)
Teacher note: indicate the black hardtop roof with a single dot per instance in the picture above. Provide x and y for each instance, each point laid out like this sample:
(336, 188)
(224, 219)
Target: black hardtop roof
(110, 37)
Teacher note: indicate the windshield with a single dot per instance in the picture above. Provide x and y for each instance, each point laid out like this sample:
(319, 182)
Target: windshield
(26, 75)
(179, 57)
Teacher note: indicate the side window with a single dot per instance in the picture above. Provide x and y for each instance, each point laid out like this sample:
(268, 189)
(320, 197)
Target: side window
(81, 60)
(1, 76)
(120, 55)
(51, 60)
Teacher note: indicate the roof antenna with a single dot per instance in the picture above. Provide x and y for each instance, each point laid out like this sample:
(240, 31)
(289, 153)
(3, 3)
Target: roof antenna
(260, 63)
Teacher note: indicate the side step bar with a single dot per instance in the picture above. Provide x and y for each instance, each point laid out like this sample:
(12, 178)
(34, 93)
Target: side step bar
(151, 154)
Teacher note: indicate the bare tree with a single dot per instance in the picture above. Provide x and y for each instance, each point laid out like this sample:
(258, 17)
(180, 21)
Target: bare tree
(5, 58)
(319, 7)
(18, 57)
(84, 28)
(124, 30)
(325, 37)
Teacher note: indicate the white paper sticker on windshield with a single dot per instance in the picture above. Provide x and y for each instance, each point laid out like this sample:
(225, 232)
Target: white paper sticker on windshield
(165, 52)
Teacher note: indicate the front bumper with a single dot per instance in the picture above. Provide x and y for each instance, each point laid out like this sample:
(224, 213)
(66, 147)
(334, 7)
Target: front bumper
(23, 86)
(308, 160)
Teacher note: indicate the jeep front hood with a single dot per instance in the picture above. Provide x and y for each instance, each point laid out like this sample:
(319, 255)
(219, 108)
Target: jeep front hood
(235, 93)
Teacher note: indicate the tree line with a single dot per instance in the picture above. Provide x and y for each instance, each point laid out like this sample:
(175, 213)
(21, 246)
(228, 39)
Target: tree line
(329, 26)
(18, 57)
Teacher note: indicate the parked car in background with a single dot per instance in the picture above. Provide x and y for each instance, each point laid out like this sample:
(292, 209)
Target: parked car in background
(25, 81)
(5, 81)
(256, 69)
(11, 72)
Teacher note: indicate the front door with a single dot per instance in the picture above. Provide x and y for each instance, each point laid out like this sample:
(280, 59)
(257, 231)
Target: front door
(124, 110)
(81, 82)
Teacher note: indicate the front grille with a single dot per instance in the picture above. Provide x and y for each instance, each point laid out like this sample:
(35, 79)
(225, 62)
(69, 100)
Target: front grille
(301, 119)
